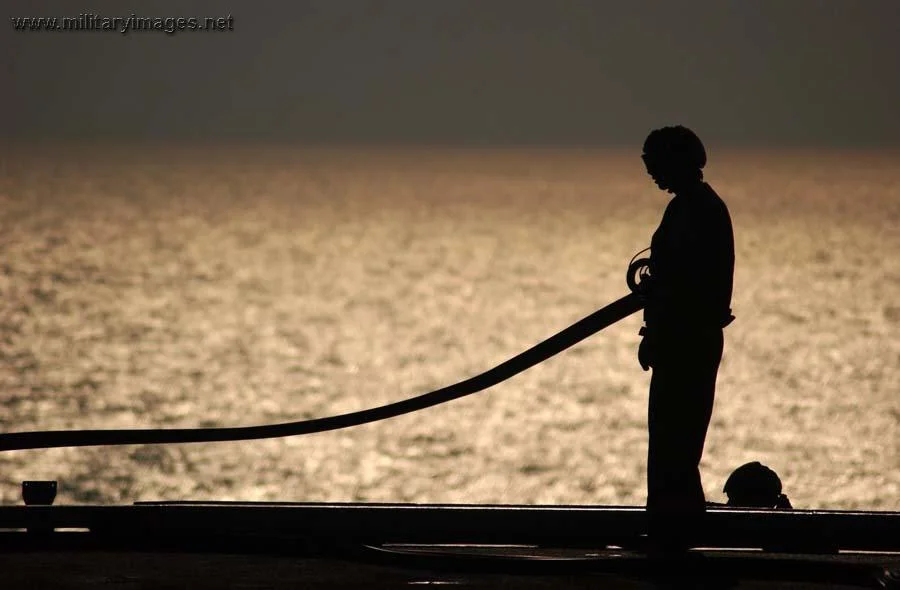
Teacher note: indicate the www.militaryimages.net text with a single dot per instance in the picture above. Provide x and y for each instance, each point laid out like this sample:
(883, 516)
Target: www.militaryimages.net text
(87, 22)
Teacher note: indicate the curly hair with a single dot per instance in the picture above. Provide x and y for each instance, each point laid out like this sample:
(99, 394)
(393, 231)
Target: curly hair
(677, 147)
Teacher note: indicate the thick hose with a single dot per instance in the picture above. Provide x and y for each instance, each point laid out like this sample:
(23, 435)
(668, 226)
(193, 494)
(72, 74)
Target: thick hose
(553, 345)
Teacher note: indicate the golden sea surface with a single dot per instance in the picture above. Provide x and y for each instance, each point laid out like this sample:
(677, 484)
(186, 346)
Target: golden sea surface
(179, 286)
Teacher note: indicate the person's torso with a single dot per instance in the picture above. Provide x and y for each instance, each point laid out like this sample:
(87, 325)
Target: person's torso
(692, 261)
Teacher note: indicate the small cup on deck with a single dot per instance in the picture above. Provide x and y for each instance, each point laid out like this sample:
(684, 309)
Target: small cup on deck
(38, 492)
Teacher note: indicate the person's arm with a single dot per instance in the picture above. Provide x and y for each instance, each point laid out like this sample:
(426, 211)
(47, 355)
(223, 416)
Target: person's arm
(676, 267)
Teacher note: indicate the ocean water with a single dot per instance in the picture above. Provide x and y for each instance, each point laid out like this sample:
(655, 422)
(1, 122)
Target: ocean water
(189, 285)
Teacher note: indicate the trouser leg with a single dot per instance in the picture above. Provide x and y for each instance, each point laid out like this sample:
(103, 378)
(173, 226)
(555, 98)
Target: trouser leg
(682, 390)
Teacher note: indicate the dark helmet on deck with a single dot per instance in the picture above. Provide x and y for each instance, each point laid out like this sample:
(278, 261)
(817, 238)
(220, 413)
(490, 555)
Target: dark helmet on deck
(755, 485)
(675, 147)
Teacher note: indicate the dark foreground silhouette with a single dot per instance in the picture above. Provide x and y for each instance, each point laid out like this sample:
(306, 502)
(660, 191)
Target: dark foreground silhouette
(754, 485)
(687, 305)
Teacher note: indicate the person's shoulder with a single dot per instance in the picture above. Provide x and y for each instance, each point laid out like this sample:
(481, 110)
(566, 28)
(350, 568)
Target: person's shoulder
(713, 200)
(711, 193)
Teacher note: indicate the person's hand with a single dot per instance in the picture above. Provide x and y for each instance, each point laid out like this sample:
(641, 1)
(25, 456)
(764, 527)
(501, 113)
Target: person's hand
(645, 353)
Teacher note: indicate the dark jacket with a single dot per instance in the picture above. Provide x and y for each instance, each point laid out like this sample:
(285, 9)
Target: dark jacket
(691, 264)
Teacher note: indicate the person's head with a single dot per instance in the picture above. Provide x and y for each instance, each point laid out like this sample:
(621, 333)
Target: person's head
(674, 157)
(754, 485)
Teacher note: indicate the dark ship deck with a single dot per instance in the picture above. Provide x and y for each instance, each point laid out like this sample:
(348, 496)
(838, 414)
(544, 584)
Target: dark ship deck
(271, 545)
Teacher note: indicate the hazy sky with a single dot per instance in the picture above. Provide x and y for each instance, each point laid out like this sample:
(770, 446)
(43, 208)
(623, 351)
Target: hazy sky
(473, 71)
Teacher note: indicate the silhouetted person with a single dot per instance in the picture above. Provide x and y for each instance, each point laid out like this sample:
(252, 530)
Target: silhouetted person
(687, 306)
